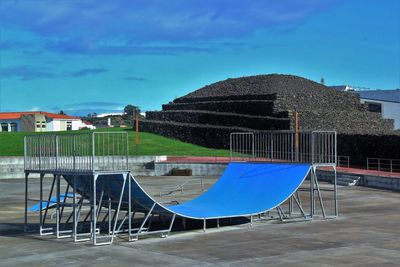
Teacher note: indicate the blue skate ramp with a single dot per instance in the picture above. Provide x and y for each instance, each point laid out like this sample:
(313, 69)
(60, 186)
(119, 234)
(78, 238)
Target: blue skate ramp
(245, 189)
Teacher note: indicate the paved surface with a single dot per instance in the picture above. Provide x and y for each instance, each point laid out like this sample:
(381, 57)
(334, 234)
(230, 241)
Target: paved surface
(366, 234)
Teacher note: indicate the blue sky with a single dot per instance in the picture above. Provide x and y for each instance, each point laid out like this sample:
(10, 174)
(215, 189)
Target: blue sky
(97, 56)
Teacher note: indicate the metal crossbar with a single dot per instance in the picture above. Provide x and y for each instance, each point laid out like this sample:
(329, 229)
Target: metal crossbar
(97, 151)
(384, 165)
(317, 147)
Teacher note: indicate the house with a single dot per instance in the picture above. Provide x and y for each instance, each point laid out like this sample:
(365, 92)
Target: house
(386, 102)
(39, 121)
(88, 125)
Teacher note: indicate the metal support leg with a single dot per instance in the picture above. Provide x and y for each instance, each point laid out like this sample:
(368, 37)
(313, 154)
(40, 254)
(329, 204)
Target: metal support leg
(129, 206)
(319, 195)
(204, 225)
(300, 206)
(184, 223)
(335, 193)
(94, 210)
(312, 193)
(41, 203)
(74, 224)
(26, 203)
(58, 217)
(144, 222)
(164, 235)
(47, 208)
(118, 209)
(279, 213)
(290, 206)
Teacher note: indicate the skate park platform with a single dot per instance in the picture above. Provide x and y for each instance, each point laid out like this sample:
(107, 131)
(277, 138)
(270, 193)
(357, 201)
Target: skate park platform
(365, 234)
(95, 166)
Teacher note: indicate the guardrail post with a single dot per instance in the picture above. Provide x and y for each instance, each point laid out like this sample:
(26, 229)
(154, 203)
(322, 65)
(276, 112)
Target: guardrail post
(93, 150)
(57, 152)
(252, 144)
(379, 165)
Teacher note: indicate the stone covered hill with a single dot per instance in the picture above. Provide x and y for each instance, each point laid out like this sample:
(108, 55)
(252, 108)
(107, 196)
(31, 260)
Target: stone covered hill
(265, 102)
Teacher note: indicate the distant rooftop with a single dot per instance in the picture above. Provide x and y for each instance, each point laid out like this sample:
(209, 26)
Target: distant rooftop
(109, 114)
(382, 95)
(17, 115)
(372, 94)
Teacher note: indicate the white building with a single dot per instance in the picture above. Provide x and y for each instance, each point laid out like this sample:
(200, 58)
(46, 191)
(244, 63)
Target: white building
(109, 114)
(386, 102)
(38, 121)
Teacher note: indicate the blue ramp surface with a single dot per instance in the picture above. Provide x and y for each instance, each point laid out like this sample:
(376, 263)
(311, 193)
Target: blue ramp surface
(245, 189)
(52, 203)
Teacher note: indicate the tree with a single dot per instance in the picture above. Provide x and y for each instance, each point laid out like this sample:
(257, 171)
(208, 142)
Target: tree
(62, 112)
(131, 109)
(322, 81)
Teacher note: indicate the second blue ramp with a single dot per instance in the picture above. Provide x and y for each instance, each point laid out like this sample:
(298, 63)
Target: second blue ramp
(245, 189)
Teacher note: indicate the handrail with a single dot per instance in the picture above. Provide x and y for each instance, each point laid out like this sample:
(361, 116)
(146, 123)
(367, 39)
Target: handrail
(96, 151)
(316, 147)
(383, 164)
(343, 161)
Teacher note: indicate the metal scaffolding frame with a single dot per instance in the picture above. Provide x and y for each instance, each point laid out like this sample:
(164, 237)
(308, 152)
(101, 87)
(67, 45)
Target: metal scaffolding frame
(318, 148)
(89, 164)
(91, 155)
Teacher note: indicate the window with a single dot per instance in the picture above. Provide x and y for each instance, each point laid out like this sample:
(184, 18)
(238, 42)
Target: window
(374, 107)
(4, 127)
(69, 125)
(13, 127)
(43, 124)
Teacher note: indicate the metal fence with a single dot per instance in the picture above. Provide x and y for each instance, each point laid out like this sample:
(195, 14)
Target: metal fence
(317, 147)
(98, 151)
(343, 161)
(383, 165)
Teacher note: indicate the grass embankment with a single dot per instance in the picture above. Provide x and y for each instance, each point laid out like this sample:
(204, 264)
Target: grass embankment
(12, 144)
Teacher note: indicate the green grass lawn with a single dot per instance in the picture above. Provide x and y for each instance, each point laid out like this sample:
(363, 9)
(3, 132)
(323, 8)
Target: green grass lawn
(12, 144)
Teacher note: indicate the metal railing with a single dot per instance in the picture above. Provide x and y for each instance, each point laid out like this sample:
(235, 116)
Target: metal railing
(97, 151)
(317, 147)
(343, 161)
(383, 165)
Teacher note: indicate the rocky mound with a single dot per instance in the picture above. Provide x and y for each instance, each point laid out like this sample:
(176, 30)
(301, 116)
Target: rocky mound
(262, 102)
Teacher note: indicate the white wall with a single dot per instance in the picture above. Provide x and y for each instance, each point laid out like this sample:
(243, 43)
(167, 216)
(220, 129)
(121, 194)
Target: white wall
(390, 110)
(76, 125)
(53, 125)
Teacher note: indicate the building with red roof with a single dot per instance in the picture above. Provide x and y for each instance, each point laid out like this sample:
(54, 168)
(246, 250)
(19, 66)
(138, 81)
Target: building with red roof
(39, 121)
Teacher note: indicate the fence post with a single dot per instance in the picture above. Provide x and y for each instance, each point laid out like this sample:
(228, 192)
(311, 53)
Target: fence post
(252, 145)
(57, 152)
(312, 147)
(230, 144)
(93, 150)
(379, 165)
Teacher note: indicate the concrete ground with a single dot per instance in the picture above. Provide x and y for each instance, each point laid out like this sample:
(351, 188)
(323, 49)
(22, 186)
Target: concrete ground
(367, 233)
